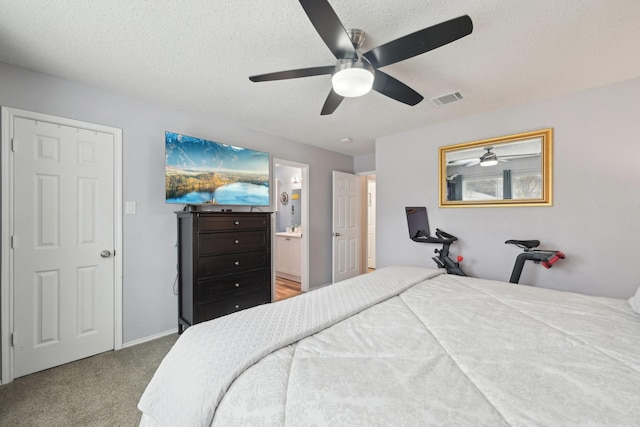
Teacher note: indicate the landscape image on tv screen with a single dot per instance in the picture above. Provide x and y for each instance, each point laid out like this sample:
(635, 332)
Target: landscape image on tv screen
(207, 172)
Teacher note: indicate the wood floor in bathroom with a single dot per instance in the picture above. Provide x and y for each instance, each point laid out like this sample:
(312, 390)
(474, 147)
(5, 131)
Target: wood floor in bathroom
(286, 288)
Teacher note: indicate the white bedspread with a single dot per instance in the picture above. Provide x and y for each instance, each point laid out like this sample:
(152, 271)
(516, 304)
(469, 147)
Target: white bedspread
(208, 357)
(448, 351)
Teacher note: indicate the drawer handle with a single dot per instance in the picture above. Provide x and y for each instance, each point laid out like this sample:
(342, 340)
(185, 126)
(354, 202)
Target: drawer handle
(236, 242)
(236, 222)
(237, 285)
(237, 305)
(237, 263)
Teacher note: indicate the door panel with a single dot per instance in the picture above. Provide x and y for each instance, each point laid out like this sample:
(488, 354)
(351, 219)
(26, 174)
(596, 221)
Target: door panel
(63, 219)
(48, 303)
(371, 224)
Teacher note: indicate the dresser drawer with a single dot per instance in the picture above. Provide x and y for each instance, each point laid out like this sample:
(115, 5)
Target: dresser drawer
(232, 241)
(216, 265)
(230, 305)
(232, 222)
(224, 286)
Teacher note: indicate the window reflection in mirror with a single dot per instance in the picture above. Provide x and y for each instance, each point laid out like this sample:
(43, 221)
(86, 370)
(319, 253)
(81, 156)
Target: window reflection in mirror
(504, 171)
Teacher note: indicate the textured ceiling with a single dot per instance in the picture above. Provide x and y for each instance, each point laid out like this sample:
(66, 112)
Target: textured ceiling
(197, 55)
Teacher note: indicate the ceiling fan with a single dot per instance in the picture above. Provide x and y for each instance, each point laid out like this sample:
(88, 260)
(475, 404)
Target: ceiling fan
(488, 159)
(355, 73)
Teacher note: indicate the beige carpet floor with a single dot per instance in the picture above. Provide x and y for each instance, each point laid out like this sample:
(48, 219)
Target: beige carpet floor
(102, 390)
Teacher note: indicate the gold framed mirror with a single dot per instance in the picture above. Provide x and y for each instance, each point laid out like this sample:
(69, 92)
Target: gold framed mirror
(512, 170)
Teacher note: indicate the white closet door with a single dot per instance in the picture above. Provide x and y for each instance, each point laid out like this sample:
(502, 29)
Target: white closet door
(64, 238)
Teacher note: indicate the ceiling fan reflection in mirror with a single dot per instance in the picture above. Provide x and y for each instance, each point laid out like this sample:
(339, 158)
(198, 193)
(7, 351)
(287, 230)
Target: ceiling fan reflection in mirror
(488, 159)
(356, 73)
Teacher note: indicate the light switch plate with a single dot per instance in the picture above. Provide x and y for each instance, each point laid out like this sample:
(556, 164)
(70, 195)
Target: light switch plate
(130, 208)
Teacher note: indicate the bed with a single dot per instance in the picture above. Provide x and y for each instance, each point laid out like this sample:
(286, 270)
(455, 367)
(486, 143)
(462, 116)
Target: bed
(407, 346)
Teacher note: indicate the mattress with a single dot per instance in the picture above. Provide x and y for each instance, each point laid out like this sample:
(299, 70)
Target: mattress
(433, 350)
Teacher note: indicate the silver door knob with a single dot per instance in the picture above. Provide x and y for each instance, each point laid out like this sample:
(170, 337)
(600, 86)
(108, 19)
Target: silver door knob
(105, 254)
(336, 234)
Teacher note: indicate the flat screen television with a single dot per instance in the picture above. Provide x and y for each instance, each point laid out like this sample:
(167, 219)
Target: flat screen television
(202, 172)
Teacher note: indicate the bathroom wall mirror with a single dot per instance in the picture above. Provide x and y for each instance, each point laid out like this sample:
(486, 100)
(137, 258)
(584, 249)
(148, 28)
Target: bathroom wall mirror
(513, 170)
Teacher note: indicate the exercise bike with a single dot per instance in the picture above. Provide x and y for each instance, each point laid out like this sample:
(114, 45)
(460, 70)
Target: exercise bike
(418, 223)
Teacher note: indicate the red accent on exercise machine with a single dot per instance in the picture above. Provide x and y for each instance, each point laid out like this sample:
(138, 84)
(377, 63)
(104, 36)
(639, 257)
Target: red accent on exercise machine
(553, 259)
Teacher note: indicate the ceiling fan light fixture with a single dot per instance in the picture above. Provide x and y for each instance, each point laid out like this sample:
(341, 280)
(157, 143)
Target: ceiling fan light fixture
(489, 162)
(352, 78)
(489, 158)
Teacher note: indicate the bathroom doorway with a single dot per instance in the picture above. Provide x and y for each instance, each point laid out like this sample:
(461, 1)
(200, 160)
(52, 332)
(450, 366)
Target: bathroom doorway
(291, 243)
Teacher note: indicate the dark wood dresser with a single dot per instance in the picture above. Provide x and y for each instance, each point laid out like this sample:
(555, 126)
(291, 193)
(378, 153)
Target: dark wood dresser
(224, 264)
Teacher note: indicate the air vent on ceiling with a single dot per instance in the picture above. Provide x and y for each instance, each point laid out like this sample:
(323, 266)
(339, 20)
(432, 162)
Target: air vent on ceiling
(447, 98)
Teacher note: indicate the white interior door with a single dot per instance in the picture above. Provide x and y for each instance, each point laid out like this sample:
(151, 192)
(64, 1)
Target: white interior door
(371, 222)
(63, 244)
(347, 226)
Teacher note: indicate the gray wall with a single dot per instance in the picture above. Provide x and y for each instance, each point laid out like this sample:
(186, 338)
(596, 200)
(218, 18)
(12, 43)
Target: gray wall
(149, 304)
(595, 217)
(364, 163)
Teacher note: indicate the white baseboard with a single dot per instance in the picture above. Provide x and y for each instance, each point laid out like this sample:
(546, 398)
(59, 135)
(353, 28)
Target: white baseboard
(150, 338)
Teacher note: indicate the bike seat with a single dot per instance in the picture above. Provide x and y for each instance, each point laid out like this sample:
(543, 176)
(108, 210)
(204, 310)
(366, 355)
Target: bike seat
(529, 244)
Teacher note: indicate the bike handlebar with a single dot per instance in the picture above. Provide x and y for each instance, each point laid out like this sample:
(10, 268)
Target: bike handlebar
(441, 234)
(442, 237)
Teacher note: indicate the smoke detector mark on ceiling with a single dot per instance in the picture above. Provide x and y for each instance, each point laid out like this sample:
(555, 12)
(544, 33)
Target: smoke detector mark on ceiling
(447, 98)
